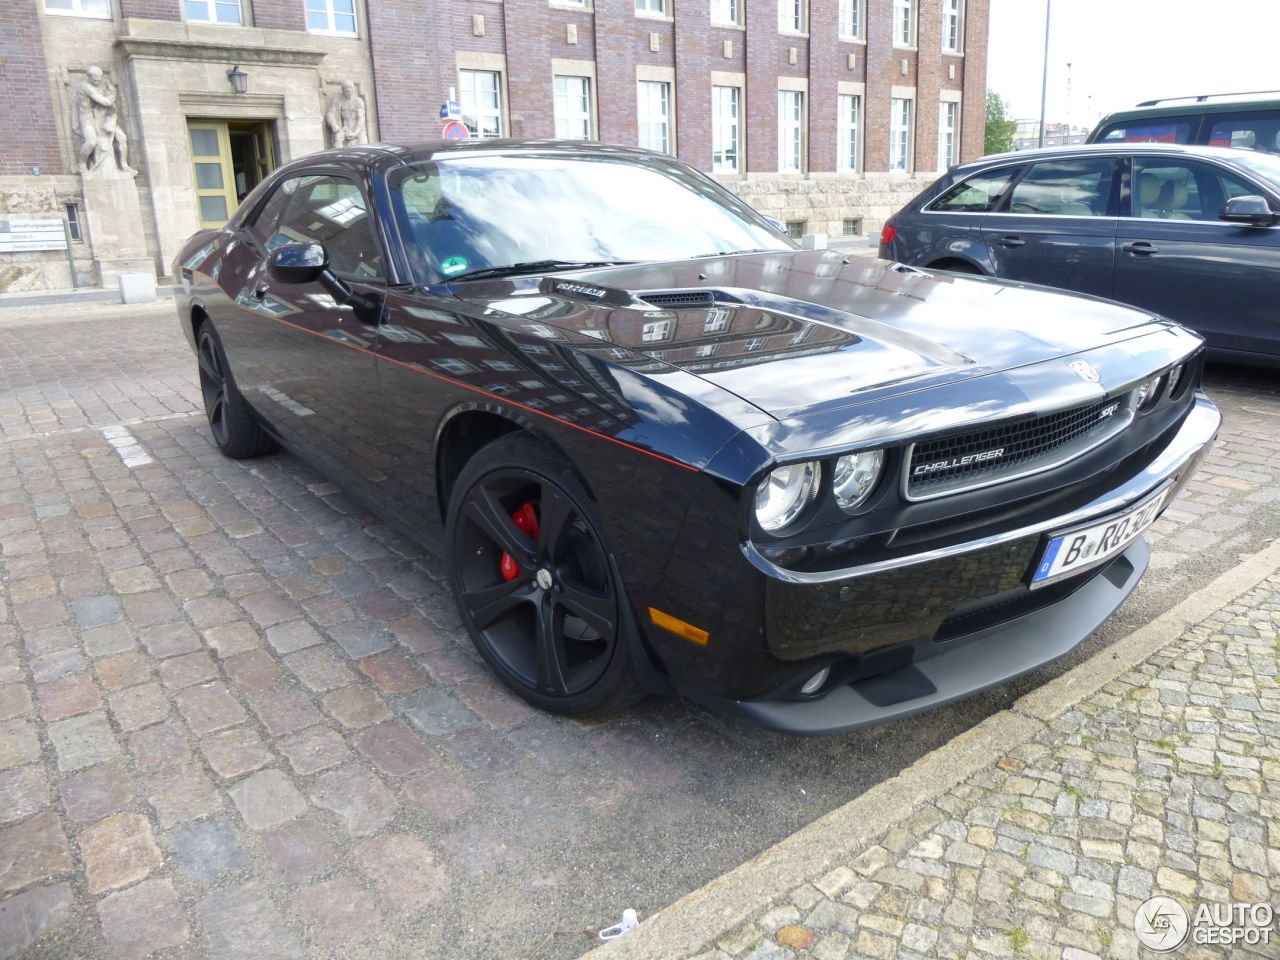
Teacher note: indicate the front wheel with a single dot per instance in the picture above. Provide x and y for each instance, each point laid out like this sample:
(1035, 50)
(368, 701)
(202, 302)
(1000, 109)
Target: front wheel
(533, 581)
(235, 429)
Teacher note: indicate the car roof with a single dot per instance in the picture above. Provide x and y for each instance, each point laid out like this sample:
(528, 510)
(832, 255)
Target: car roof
(1087, 149)
(1195, 105)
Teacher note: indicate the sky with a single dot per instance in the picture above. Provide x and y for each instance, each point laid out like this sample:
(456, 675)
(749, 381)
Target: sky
(1121, 52)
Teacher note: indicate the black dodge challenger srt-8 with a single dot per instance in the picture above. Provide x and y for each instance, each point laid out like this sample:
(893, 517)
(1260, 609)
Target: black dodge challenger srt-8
(663, 450)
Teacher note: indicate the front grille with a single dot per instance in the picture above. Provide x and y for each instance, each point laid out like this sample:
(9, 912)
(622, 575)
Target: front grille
(967, 460)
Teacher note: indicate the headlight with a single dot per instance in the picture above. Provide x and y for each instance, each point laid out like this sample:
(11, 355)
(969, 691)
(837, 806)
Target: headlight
(855, 477)
(784, 494)
(1149, 393)
(1175, 378)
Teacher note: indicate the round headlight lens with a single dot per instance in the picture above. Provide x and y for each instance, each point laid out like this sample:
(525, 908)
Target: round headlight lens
(1149, 393)
(783, 495)
(855, 477)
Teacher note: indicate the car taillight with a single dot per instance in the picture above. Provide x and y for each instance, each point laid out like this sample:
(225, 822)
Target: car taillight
(887, 233)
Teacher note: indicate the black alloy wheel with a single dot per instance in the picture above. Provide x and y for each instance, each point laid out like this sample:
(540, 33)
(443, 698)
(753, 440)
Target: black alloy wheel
(235, 429)
(533, 580)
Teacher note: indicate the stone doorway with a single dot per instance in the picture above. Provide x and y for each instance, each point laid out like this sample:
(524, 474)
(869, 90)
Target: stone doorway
(229, 159)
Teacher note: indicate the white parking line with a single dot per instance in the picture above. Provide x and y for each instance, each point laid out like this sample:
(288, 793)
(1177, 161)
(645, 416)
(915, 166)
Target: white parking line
(131, 451)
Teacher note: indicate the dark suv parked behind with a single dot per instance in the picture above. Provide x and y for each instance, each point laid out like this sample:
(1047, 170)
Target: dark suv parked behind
(1186, 232)
(1248, 121)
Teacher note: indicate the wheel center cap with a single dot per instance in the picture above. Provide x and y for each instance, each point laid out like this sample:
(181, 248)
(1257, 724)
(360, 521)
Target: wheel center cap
(544, 579)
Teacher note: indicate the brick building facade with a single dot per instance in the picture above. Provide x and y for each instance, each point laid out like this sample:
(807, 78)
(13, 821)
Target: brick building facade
(826, 114)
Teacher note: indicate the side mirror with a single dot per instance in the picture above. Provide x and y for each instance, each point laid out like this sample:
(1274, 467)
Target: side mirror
(1251, 210)
(295, 263)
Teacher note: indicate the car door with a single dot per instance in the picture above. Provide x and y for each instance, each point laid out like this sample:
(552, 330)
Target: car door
(304, 362)
(1057, 225)
(1176, 258)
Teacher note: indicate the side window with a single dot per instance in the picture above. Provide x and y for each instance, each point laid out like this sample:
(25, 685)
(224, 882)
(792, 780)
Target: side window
(1166, 189)
(266, 225)
(331, 211)
(1150, 131)
(1065, 188)
(978, 194)
(1246, 131)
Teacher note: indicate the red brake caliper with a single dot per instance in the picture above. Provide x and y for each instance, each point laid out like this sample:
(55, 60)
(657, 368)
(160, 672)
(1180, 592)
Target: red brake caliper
(527, 521)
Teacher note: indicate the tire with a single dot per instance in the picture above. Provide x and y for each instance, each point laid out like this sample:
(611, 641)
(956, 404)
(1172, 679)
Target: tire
(235, 429)
(546, 612)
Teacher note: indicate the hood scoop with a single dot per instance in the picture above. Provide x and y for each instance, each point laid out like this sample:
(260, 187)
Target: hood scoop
(681, 299)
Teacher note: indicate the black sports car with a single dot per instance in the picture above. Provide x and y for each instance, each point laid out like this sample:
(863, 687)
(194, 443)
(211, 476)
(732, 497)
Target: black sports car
(663, 450)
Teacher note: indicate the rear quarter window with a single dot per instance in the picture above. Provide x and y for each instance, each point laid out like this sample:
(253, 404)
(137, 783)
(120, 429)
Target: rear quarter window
(1149, 131)
(980, 193)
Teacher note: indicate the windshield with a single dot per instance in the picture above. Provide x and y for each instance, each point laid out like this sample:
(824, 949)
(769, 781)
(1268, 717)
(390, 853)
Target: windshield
(1264, 165)
(463, 214)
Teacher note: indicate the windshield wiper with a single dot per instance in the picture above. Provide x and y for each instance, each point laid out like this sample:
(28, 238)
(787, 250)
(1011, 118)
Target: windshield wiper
(536, 266)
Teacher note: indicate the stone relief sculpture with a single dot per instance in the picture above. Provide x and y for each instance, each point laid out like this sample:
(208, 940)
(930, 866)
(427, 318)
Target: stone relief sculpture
(97, 120)
(344, 116)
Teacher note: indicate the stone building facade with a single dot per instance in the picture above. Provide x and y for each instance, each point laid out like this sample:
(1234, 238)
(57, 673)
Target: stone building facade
(826, 114)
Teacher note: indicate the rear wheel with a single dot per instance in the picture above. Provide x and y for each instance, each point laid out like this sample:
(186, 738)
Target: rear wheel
(533, 580)
(235, 429)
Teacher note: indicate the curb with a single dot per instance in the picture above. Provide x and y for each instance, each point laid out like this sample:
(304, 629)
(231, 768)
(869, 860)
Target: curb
(696, 919)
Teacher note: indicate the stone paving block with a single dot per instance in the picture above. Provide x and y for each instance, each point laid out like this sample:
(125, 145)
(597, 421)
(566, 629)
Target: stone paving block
(181, 792)
(139, 706)
(319, 669)
(23, 791)
(440, 793)
(33, 850)
(68, 696)
(233, 752)
(253, 671)
(15, 701)
(267, 798)
(299, 850)
(185, 671)
(142, 920)
(405, 870)
(241, 923)
(27, 916)
(335, 911)
(436, 712)
(94, 793)
(356, 706)
(283, 710)
(123, 670)
(292, 635)
(394, 748)
(314, 749)
(169, 639)
(83, 741)
(268, 608)
(118, 851)
(208, 851)
(209, 707)
(93, 612)
(229, 639)
(360, 638)
(358, 797)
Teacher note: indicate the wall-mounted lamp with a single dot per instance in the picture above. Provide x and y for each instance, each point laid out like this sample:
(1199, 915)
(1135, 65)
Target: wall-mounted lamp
(239, 79)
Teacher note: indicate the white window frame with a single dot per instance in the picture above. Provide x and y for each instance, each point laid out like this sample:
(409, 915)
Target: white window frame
(791, 131)
(468, 92)
(332, 16)
(78, 10)
(853, 17)
(726, 128)
(646, 92)
(901, 134)
(906, 15)
(653, 9)
(563, 115)
(656, 331)
(948, 134)
(848, 133)
(734, 8)
(211, 9)
(793, 16)
(953, 24)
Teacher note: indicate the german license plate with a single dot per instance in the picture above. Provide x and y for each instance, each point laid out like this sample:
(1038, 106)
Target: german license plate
(1087, 547)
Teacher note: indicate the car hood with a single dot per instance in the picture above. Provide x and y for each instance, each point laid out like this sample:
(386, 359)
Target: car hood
(793, 332)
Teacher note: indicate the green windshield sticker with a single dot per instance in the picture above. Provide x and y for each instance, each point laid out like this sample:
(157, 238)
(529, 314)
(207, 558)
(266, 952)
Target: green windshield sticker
(453, 265)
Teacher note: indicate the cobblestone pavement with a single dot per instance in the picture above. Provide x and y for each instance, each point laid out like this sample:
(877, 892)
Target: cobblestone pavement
(238, 716)
(1164, 783)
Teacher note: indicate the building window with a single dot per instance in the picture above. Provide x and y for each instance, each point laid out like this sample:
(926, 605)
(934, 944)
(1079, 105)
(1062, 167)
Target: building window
(651, 8)
(952, 25)
(213, 11)
(790, 131)
(900, 135)
(904, 23)
(852, 226)
(754, 344)
(726, 12)
(791, 16)
(656, 331)
(481, 103)
(573, 108)
(101, 9)
(948, 142)
(654, 114)
(332, 16)
(851, 19)
(725, 129)
(795, 229)
(73, 220)
(717, 319)
(848, 133)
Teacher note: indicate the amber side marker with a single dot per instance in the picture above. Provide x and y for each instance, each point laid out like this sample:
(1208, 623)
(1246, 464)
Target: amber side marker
(677, 626)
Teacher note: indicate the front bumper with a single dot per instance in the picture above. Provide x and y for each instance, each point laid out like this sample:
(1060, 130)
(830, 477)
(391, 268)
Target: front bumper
(916, 632)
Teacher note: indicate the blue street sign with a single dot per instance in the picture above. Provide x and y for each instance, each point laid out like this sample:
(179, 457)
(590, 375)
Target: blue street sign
(450, 110)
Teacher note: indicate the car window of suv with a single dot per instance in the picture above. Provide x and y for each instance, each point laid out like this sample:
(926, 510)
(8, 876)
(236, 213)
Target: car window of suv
(979, 194)
(1152, 130)
(1172, 189)
(1065, 188)
(327, 210)
(1247, 131)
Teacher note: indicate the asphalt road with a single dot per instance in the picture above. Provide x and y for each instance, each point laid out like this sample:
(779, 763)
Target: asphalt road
(537, 831)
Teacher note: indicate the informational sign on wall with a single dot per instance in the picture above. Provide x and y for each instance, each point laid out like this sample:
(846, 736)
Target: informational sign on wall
(18, 235)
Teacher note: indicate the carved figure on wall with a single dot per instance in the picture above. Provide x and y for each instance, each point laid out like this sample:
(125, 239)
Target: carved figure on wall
(98, 123)
(345, 116)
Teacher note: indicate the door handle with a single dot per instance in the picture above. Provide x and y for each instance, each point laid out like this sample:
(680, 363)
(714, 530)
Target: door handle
(1010, 243)
(1140, 248)
(260, 290)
